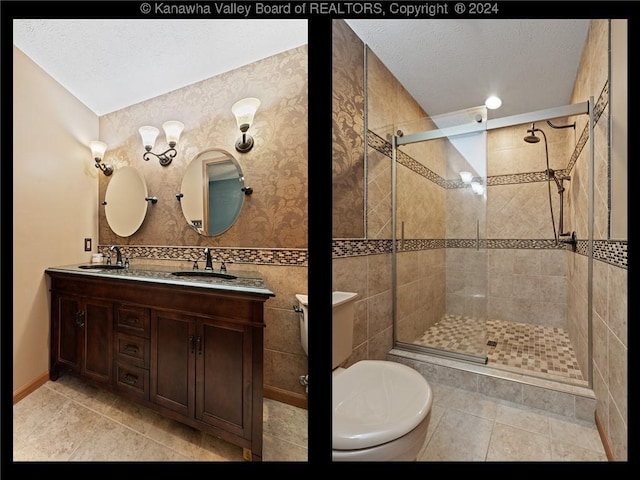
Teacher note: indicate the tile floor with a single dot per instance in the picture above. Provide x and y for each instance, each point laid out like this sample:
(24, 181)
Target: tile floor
(471, 427)
(89, 424)
(532, 349)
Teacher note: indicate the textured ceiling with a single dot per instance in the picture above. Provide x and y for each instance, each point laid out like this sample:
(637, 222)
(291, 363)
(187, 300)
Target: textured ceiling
(451, 65)
(111, 64)
(447, 65)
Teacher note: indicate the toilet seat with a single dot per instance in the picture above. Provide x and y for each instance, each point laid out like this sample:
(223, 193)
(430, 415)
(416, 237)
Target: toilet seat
(375, 402)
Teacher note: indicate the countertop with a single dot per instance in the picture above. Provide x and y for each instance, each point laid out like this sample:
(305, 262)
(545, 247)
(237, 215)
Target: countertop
(247, 281)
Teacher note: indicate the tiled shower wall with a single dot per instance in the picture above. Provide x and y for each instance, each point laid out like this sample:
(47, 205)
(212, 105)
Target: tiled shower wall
(609, 303)
(270, 234)
(530, 279)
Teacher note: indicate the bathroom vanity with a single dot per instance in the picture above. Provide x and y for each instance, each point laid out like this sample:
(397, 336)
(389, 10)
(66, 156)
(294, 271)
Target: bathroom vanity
(190, 348)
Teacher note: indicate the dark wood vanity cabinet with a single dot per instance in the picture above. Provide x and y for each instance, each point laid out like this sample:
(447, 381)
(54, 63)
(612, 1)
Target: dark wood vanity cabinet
(81, 337)
(192, 354)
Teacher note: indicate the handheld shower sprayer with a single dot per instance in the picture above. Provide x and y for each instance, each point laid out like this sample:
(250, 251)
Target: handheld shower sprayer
(551, 175)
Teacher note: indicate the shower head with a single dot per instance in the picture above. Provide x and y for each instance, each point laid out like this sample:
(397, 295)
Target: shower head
(532, 137)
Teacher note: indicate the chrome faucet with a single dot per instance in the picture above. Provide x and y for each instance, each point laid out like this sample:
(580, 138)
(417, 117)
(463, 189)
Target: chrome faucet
(118, 254)
(209, 265)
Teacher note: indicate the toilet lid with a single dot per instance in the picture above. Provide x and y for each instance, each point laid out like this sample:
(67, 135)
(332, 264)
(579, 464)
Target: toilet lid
(377, 401)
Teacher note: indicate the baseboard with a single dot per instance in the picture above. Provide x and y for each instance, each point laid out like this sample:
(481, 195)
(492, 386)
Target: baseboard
(604, 439)
(287, 397)
(29, 388)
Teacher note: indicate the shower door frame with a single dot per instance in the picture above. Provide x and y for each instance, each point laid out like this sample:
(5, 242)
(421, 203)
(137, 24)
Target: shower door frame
(512, 120)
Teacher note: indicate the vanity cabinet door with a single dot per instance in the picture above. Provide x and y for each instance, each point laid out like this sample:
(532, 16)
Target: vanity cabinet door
(201, 368)
(66, 333)
(97, 351)
(223, 376)
(172, 372)
(82, 333)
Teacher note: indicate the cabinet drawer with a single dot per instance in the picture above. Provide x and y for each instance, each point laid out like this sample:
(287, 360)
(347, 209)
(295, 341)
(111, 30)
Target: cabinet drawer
(132, 380)
(132, 350)
(132, 320)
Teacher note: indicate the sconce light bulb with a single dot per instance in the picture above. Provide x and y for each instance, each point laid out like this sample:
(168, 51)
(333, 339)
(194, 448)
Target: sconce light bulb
(466, 177)
(97, 149)
(149, 135)
(172, 130)
(244, 111)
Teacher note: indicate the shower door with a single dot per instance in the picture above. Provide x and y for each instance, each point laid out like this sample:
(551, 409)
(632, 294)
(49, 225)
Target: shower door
(439, 248)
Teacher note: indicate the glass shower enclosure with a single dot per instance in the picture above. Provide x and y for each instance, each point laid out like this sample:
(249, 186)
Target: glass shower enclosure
(439, 173)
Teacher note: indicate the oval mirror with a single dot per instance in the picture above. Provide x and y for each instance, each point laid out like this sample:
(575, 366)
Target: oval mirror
(126, 204)
(212, 192)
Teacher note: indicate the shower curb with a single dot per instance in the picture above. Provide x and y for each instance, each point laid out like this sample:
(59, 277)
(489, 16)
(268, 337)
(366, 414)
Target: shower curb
(570, 401)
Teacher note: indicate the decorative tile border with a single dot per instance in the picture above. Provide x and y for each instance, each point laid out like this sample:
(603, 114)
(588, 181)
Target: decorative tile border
(598, 109)
(612, 252)
(257, 256)
(342, 248)
(378, 143)
(413, 244)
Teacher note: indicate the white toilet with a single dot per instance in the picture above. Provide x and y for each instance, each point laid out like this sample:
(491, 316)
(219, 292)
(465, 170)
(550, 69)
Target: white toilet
(381, 409)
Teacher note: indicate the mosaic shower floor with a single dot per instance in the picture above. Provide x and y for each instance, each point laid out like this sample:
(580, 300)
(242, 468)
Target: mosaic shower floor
(519, 347)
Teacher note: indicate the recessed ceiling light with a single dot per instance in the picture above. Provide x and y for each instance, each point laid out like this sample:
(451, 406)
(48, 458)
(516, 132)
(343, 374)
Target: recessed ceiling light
(493, 102)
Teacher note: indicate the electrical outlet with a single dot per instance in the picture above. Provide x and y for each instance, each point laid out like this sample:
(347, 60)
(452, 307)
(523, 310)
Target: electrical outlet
(87, 244)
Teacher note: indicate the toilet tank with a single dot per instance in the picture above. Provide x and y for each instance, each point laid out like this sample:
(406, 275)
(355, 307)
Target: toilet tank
(343, 315)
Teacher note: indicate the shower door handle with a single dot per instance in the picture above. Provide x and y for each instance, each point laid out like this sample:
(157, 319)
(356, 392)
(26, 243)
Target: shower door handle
(477, 234)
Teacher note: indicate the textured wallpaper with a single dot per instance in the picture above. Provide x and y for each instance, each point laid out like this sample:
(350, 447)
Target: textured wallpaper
(348, 133)
(275, 215)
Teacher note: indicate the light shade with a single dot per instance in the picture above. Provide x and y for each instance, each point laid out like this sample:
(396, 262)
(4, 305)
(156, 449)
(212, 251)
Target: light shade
(97, 149)
(492, 102)
(172, 130)
(477, 188)
(244, 110)
(149, 135)
(466, 177)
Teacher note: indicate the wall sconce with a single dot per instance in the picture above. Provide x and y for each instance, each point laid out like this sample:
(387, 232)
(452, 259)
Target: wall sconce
(172, 131)
(97, 150)
(244, 110)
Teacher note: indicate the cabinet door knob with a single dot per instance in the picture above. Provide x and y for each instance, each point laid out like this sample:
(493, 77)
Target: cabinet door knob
(80, 318)
(191, 346)
(199, 342)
